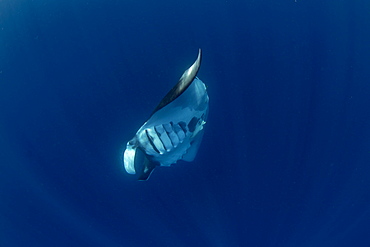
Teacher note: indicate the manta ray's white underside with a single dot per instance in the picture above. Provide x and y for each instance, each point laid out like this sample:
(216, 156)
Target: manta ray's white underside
(173, 132)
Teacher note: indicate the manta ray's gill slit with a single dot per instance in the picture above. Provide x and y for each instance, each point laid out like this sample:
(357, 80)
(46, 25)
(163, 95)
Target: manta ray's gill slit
(163, 137)
(168, 127)
(183, 126)
(174, 139)
(179, 132)
(151, 141)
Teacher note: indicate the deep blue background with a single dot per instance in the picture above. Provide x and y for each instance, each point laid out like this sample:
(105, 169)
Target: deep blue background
(285, 160)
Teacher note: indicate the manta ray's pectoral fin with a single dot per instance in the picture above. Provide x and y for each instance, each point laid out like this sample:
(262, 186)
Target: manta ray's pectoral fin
(183, 83)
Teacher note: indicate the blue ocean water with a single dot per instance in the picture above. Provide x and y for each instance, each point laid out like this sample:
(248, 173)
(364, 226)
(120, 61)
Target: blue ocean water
(285, 159)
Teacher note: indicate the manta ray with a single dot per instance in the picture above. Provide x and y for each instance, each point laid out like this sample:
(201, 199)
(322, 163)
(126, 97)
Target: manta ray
(175, 128)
